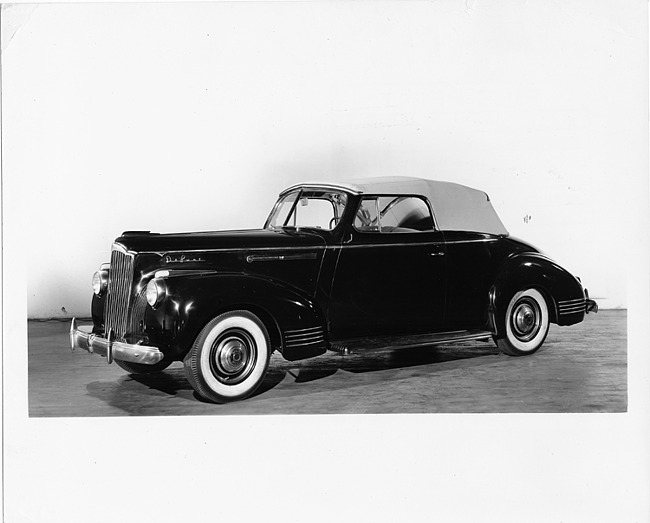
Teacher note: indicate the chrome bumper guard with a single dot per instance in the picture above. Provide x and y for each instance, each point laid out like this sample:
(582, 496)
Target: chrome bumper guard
(82, 337)
(590, 305)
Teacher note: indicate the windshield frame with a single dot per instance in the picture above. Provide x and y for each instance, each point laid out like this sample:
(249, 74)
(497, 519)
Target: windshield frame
(307, 191)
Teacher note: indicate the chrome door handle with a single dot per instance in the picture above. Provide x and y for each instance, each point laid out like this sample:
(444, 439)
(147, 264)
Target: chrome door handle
(436, 254)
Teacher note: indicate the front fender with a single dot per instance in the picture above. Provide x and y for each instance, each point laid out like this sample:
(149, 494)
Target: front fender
(193, 300)
(528, 270)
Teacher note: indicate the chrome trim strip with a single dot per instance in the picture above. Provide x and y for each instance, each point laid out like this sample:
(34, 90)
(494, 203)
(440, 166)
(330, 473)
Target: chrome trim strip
(82, 337)
(396, 343)
(325, 247)
(292, 345)
(481, 240)
(123, 249)
(304, 339)
(303, 336)
(180, 272)
(571, 311)
(326, 186)
(73, 328)
(574, 306)
(481, 336)
(281, 257)
(571, 303)
(304, 330)
(401, 244)
(245, 249)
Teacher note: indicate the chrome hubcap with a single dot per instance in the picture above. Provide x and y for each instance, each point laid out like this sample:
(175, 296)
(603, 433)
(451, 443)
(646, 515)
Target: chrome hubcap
(232, 356)
(526, 320)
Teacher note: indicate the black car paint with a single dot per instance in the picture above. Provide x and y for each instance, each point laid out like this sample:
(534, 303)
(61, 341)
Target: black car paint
(347, 283)
(388, 284)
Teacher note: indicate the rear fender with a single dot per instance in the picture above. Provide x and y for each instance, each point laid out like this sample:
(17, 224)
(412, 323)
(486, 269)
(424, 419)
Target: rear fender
(534, 270)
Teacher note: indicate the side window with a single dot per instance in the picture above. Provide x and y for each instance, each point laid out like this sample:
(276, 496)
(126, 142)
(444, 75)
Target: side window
(396, 214)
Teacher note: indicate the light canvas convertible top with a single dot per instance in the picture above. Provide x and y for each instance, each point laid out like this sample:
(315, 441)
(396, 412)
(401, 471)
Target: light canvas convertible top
(456, 207)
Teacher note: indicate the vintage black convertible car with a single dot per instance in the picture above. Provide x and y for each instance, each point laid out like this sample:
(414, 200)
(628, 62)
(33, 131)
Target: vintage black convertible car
(389, 262)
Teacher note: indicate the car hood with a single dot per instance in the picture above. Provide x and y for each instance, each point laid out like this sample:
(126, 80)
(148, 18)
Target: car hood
(144, 241)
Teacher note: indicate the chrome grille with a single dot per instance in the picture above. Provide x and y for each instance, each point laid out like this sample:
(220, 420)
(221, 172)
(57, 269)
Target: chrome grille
(120, 279)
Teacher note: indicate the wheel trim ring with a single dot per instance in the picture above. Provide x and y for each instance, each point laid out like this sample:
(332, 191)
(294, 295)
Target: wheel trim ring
(232, 356)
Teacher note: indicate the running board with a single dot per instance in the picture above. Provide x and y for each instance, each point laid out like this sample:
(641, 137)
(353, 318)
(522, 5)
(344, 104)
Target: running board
(357, 345)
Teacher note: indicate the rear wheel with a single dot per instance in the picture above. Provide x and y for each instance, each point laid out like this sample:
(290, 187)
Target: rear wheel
(525, 324)
(229, 358)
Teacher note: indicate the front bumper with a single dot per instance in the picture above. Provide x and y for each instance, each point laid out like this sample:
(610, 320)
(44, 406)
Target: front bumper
(82, 337)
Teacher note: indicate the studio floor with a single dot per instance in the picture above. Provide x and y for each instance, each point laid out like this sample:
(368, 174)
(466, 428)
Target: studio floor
(582, 368)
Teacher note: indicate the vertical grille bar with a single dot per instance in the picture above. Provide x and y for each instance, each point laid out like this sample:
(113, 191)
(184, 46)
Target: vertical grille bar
(120, 278)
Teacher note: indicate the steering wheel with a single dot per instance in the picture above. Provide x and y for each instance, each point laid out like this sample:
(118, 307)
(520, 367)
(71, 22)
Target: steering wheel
(333, 222)
(363, 215)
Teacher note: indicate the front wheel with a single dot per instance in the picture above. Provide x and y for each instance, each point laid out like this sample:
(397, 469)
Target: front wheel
(525, 324)
(229, 357)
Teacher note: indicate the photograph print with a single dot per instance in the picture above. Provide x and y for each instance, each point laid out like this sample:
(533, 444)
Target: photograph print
(333, 223)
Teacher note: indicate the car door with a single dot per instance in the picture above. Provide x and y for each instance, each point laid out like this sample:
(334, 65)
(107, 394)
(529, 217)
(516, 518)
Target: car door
(473, 261)
(390, 275)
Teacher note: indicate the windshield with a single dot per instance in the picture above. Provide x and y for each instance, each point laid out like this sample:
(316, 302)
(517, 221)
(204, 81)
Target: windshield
(313, 208)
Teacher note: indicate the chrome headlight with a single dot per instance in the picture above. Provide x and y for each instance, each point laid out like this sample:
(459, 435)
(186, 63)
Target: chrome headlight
(156, 292)
(100, 281)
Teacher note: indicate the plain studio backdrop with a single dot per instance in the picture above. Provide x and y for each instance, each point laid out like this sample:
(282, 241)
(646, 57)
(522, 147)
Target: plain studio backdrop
(178, 117)
(171, 118)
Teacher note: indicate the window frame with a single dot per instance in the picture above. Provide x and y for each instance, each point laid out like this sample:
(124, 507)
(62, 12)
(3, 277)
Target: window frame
(300, 194)
(396, 198)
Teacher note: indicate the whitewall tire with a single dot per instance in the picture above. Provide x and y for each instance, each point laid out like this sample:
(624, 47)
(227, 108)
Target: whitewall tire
(525, 323)
(229, 359)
